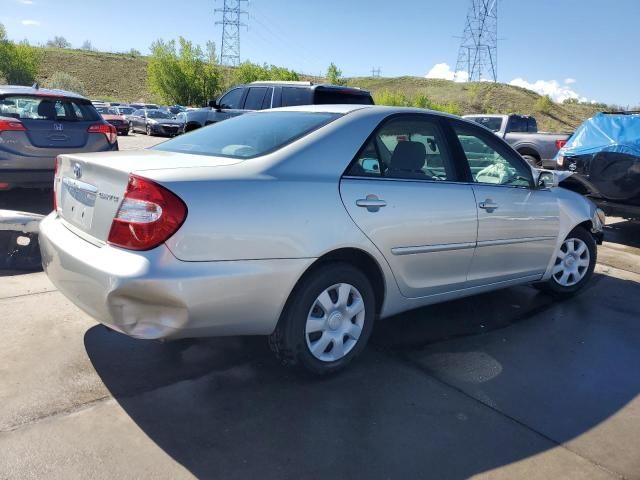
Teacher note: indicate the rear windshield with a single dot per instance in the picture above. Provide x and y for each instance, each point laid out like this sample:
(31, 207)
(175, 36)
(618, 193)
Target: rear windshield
(492, 123)
(329, 97)
(28, 107)
(249, 135)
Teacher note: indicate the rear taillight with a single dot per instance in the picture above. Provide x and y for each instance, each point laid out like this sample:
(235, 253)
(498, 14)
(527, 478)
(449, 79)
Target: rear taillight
(11, 126)
(560, 144)
(109, 131)
(148, 215)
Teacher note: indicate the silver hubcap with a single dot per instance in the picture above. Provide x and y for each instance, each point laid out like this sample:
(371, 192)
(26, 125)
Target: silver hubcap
(572, 262)
(335, 322)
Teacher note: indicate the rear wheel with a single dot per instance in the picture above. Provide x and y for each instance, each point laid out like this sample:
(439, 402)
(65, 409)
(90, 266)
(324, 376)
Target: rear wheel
(574, 264)
(148, 130)
(327, 321)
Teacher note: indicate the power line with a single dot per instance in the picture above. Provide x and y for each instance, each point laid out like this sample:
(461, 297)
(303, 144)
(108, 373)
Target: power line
(231, 22)
(478, 53)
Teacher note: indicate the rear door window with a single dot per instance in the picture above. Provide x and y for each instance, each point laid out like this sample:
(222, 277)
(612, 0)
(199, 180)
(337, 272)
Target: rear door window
(517, 124)
(26, 107)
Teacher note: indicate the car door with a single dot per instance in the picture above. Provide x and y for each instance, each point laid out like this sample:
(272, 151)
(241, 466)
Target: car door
(136, 119)
(402, 192)
(517, 222)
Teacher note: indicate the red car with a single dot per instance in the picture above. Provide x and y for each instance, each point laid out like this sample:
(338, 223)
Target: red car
(118, 121)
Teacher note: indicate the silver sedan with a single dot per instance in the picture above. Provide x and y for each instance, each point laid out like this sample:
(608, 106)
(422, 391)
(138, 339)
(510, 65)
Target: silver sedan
(307, 224)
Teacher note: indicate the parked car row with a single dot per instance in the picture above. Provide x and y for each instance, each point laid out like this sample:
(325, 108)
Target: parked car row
(147, 118)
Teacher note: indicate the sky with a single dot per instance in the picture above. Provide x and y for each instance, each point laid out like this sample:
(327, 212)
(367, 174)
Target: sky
(583, 49)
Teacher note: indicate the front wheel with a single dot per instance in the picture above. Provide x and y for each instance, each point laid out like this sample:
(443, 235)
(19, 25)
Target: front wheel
(148, 130)
(327, 321)
(574, 264)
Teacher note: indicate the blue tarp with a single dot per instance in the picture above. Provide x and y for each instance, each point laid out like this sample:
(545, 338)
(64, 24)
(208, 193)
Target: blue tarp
(606, 132)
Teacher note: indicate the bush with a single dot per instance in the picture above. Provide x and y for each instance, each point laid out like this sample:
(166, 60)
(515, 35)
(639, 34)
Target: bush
(59, 42)
(394, 99)
(182, 75)
(64, 81)
(544, 104)
(334, 75)
(249, 72)
(18, 63)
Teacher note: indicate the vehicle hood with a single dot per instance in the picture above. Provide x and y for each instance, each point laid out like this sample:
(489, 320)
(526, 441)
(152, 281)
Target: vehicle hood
(109, 116)
(141, 160)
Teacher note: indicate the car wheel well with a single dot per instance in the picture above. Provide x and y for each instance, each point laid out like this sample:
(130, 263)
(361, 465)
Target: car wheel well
(529, 151)
(574, 186)
(587, 225)
(191, 126)
(360, 260)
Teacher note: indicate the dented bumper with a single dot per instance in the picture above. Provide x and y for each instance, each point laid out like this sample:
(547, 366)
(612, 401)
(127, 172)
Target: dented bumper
(153, 295)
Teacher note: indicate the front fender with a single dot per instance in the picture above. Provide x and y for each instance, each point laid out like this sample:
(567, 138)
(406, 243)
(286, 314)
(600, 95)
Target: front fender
(574, 209)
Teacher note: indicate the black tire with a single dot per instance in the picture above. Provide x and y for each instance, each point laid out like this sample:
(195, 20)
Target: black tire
(147, 130)
(533, 161)
(552, 286)
(289, 341)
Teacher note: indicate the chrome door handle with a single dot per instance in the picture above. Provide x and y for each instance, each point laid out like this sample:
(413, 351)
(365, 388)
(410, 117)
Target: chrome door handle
(488, 205)
(372, 203)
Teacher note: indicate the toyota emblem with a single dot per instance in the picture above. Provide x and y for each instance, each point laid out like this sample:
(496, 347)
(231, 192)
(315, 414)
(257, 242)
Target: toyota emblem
(77, 170)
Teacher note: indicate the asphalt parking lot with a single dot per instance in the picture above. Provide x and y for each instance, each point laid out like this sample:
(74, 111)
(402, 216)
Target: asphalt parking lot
(510, 384)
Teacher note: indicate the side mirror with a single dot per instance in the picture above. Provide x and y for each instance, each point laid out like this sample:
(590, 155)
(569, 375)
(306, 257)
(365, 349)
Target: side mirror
(214, 104)
(546, 179)
(371, 165)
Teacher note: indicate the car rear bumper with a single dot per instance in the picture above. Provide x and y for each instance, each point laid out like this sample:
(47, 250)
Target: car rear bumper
(153, 295)
(26, 179)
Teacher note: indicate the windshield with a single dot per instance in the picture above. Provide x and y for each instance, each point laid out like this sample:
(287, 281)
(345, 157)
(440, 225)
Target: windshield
(492, 123)
(249, 135)
(158, 114)
(125, 110)
(47, 108)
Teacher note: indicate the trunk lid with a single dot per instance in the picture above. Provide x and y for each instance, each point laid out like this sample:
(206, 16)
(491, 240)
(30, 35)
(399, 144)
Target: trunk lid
(57, 134)
(90, 187)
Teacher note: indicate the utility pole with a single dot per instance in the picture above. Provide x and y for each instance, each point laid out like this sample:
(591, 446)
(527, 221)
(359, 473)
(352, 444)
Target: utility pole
(231, 22)
(478, 53)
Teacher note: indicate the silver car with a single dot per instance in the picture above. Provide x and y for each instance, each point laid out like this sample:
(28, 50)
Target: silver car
(307, 224)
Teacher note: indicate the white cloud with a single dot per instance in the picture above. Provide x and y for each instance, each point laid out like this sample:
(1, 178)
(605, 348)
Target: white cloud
(30, 23)
(553, 88)
(444, 71)
(569, 81)
(26, 2)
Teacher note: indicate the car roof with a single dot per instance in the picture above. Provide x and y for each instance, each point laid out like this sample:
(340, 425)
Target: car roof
(370, 109)
(310, 85)
(20, 90)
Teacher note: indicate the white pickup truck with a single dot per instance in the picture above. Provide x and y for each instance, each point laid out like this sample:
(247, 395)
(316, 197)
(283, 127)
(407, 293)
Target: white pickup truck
(521, 132)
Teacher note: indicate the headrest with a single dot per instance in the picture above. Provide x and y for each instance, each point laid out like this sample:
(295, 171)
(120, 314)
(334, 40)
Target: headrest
(408, 156)
(47, 109)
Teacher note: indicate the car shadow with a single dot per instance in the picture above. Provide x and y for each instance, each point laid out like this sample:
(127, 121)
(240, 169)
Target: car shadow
(223, 407)
(624, 233)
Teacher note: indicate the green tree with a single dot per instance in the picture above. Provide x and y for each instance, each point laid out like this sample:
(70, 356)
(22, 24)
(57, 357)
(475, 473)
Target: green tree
(334, 75)
(134, 53)
(59, 42)
(18, 63)
(249, 72)
(394, 99)
(181, 73)
(64, 81)
(544, 104)
(87, 46)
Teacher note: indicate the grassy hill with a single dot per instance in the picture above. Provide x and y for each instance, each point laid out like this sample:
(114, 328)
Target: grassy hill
(123, 77)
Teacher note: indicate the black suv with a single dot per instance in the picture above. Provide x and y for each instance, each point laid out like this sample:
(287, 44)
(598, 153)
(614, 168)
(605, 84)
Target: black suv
(261, 95)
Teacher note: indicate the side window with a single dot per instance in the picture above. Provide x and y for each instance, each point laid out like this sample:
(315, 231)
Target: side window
(255, 98)
(532, 125)
(407, 148)
(267, 99)
(231, 99)
(292, 96)
(489, 161)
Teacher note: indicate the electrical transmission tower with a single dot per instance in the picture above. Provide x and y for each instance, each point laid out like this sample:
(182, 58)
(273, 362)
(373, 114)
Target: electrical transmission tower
(375, 72)
(478, 54)
(231, 22)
